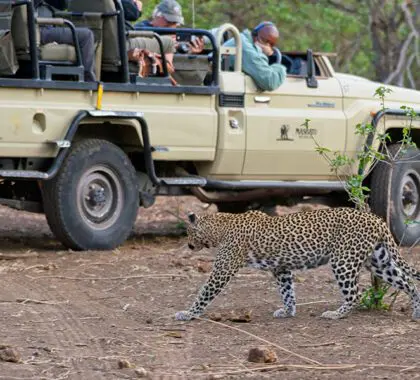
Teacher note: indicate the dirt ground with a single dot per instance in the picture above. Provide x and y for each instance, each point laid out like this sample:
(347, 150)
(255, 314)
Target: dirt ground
(68, 315)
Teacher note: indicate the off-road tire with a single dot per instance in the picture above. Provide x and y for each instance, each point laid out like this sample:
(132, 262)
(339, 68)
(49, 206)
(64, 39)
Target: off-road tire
(404, 202)
(96, 181)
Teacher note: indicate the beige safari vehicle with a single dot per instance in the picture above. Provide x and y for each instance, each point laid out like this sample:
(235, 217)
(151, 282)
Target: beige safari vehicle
(89, 155)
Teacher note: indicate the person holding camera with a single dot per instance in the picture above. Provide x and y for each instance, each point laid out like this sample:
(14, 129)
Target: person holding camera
(168, 14)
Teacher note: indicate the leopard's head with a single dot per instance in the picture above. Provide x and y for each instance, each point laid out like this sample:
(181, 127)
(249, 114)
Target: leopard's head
(200, 233)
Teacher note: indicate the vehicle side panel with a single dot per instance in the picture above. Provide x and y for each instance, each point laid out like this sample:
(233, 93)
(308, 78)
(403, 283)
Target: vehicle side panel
(181, 126)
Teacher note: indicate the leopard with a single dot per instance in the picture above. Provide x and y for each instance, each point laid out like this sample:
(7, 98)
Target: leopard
(346, 238)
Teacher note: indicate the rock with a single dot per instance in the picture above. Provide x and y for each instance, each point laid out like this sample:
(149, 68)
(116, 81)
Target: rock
(299, 280)
(123, 363)
(262, 355)
(8, 354)
(204, 267)
(243, 318)
(215, 317)
(141, 372)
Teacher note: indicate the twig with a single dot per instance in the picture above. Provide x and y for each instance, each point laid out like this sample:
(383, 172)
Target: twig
(309, 367)
(312, 303)
(171, 329)
(110, 278)
(241, 364)
(317, 345)
(35, 266)
(284, 366)
(14, 256)
(408, 368)
(263, 340)
(175, 215)
(28, 300)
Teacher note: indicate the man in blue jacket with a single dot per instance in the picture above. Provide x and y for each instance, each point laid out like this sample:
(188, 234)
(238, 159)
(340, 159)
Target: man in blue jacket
(132, 11)
(260, 58)
(64, 36)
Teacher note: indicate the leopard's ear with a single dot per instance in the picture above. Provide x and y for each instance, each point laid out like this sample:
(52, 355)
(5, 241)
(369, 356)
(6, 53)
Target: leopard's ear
(192, 217)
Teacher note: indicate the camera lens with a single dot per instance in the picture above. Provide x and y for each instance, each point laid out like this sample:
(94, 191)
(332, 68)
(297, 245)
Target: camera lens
(183, 48)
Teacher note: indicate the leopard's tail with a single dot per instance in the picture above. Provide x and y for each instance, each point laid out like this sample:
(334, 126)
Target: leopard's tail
(395, 255)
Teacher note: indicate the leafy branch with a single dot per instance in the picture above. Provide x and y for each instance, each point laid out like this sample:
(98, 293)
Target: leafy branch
(354, 183)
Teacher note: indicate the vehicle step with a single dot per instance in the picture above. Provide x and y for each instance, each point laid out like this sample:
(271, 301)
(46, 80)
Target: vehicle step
(184, 181)
(33, 174)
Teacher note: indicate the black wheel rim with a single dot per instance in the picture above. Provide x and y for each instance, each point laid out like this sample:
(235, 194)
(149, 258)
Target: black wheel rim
(99, 197)
(410, 196)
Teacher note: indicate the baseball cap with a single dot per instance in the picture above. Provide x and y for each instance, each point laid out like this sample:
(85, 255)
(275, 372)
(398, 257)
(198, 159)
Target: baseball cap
(171, 10)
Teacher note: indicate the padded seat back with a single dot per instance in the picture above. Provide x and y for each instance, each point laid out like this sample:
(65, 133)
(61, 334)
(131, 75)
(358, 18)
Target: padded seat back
(20, 32)
(111, 59)
(8, 59)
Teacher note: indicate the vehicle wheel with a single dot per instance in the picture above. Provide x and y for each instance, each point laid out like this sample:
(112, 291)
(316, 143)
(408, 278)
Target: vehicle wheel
(240, 207)
(404, 201)
(93, 200)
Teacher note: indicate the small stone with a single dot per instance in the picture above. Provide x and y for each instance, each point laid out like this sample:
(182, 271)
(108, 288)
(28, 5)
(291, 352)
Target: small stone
(299, 280)
(215, 317)
(123, 363)
(141, 372)
(149, 321)
(262, 355)
(240, 318)
(204, 267)
(8, 354)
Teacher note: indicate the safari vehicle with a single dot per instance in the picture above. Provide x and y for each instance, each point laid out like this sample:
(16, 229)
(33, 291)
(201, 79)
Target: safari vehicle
(89, 155)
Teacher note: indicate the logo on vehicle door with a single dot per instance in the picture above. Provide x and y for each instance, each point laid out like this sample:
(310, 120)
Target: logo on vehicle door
(284, 133)
(322, 104)
(306, 133)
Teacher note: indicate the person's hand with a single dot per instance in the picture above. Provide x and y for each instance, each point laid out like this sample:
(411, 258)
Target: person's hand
(197, 45)
(139, 5)
(266, 48)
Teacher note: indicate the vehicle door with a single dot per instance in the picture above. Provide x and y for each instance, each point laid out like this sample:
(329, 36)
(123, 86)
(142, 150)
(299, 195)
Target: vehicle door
(278, 145)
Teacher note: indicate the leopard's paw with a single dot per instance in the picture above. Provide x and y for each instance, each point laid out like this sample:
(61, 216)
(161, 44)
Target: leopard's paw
(416, 315)
(282, 313)
(183, 316)
(331, 315)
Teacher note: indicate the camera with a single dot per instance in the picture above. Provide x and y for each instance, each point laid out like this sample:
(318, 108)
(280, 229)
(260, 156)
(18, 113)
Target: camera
(183, 40)
(183, 48)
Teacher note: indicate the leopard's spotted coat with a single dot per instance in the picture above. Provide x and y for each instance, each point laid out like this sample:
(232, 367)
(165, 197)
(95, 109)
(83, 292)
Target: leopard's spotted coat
(346, 238)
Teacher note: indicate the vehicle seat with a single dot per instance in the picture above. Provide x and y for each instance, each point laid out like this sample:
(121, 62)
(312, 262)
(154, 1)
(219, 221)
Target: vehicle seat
(52, 58)
(111, 60)
(190, 70)
(48, 52)
(57, 52)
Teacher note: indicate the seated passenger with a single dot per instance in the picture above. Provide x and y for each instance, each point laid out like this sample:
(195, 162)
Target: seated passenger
(168, 14)
(136, 45)
(257, 54)
(63, 35)
(132, 10)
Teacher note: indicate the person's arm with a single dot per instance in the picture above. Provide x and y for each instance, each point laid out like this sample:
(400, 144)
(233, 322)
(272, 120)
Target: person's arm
(58, 4)
(131, 10)
(267, 77)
